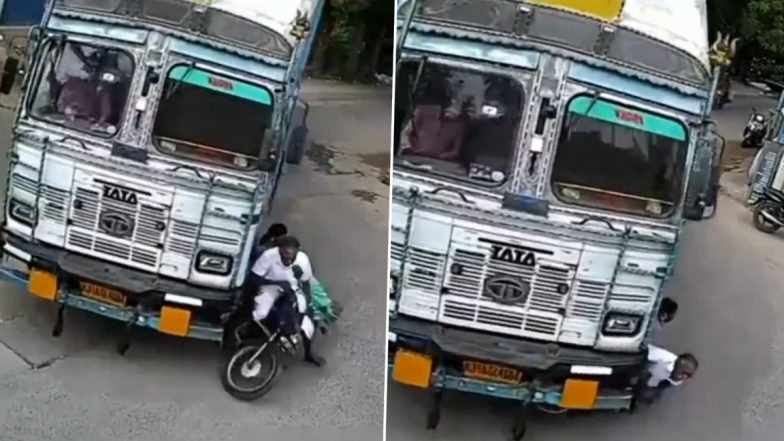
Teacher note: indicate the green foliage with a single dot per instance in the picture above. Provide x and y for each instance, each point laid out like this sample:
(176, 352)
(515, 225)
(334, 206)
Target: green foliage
(764, 24)
(346, 14)
(726, 15)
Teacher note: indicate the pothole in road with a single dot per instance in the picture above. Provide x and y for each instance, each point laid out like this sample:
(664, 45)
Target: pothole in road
(326, 157)
(323, 156)
(364, 195)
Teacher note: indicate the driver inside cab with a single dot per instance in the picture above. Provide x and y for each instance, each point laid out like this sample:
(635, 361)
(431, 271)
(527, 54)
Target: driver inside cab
(90, 97)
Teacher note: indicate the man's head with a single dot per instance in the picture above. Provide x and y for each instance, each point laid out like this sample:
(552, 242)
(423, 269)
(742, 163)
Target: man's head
(685, 367)
(276, 231)
(288, 247)
(667, 310)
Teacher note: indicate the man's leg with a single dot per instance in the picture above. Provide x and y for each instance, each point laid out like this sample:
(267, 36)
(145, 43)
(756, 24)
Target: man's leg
(264, 302)
(310, 356)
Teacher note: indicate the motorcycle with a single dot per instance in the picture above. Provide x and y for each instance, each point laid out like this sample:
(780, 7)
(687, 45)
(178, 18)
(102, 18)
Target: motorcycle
(250, 371)
(769, 211)
(723, 93)
(755, 131)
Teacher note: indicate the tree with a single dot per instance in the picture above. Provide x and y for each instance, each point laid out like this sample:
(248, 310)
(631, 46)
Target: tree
(353, 37)
(726, 16)
(763, 23)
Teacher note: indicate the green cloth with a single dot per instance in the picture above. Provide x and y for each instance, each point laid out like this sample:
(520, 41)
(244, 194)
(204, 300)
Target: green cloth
(325, 309)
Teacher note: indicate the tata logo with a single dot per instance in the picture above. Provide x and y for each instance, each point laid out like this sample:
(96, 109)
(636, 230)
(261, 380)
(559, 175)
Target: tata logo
(116, 224)
(506, 289)
(514, 254)
(517, 256)
(630, 117)
(120, 194)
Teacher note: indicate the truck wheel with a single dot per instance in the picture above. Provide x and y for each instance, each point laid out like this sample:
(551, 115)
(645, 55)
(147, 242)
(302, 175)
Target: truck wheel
(297, 146)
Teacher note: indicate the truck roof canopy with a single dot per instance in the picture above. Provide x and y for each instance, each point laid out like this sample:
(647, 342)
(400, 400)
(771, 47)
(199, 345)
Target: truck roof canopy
(261, 25)
(278, 15)
(682, 23)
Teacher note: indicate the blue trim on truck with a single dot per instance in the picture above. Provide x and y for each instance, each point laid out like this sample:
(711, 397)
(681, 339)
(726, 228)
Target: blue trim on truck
(21, 12)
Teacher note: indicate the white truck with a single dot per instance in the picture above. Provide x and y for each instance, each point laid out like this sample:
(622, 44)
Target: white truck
(547, 154)
(149, 140)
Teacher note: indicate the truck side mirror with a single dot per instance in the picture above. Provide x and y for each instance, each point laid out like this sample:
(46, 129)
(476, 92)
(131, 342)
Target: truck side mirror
(9, 76)
(702, 191)
(298, 125)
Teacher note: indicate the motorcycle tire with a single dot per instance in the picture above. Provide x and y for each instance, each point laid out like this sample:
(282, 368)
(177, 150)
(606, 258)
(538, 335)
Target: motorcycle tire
(760, 222)
(236, 372)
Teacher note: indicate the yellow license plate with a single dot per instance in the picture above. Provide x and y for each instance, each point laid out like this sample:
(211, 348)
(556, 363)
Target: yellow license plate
(604, 9)
(175, 321)
(580, 394)
(102, 294)
(42, 284)
(492, 372)
(412, 369)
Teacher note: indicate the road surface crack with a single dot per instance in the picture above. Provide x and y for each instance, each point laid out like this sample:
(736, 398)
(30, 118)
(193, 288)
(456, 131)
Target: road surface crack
(11, 318)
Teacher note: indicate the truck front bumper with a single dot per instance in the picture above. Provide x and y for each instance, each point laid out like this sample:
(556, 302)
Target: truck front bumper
(428, 355)
(120, 293)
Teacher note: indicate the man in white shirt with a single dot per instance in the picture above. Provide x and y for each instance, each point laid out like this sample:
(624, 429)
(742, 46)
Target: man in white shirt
(666, 369)
(279, 271)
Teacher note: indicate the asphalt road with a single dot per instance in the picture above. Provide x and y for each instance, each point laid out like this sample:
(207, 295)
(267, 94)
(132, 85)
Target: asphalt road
(729, 284)
(168, 388)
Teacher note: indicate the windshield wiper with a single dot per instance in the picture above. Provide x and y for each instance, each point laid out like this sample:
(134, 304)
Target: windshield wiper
(603, 220)
(176, 85)
(580, 116)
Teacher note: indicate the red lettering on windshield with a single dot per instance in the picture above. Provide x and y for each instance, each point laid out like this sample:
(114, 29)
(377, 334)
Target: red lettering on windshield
(220, 83)
(634, 118)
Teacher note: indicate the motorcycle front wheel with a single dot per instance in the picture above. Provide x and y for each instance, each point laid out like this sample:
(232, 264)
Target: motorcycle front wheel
(761, 222)
(248, 380)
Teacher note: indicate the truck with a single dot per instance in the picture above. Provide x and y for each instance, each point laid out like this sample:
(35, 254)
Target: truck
(547, 154)
(149, 139)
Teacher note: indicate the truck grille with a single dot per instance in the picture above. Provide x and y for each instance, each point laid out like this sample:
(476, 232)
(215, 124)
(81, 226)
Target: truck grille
(467, 304)
(556, 300)
(141, 247)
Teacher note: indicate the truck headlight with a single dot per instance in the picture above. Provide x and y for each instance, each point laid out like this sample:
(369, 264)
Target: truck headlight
(622, 325)
(21, 212)
(214, 263)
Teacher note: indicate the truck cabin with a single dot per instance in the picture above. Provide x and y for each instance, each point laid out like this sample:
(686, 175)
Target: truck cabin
(170, 73)
(468, 72)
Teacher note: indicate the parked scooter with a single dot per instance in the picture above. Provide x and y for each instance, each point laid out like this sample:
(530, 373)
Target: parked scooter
(755, 131)
(768, 211)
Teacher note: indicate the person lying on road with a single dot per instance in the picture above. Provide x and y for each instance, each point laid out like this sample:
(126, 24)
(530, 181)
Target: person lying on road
(666, 369)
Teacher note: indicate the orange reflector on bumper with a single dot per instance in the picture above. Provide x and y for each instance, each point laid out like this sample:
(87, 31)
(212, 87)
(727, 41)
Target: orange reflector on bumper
(412, 369)
(175, 321)
(42, 284)
(580, 394)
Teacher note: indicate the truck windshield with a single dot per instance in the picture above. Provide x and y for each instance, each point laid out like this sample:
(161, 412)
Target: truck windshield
(211, 117)
(83, 87)
(620, 159)
(456, 122)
